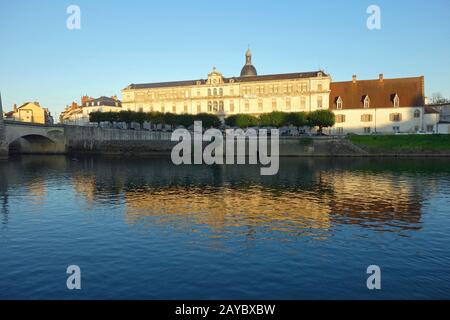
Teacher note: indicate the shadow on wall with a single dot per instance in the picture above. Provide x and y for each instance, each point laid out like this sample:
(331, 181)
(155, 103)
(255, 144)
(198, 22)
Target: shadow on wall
(35, 144)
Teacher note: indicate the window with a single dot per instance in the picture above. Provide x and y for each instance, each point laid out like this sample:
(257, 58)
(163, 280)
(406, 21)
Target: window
(232, 91)
(396, 129)
(366, 118)
(231, 106)
(319, 87)
(221, 108)
(367, 130)
(199, 108)
(247, 106)
(274, 105)
(220, 92)
(417, 113)
(339, 103)
(209, 92)
(340, 118)
(396, 101)
(288, 104)
(304, 87)
(395, 117)
(199, 93)
(216, 106)
(209, 106)
(260, 105)
(302, 103)
(367, 102)
(319, 102)
(430, 128)
(340, 131)
(215, 92)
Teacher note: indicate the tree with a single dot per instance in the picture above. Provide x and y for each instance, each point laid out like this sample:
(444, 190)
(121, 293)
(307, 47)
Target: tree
(95, 117)
(297, 119)
(274, 119)
(125, 116)
(437, 97)
(321, 119)
(208, 120)
(242, 121)
(140, 117)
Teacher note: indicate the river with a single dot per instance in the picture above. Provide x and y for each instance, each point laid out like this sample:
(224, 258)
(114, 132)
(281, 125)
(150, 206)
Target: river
(146, 229)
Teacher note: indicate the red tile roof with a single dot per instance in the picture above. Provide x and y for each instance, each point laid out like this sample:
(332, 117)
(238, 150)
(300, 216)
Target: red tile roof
(380, 91)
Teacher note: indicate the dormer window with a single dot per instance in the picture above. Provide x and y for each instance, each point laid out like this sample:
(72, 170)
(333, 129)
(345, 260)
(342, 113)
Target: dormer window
(396, 101)
(366, 102)
(339, 103)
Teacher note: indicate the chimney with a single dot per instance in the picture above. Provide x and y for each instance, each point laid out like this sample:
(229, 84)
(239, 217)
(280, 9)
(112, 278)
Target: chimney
(381, 77)
(354, 78)
(15, 107)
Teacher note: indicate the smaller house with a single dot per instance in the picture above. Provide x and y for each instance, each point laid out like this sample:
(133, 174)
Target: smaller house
(31, 112)
(79, 114)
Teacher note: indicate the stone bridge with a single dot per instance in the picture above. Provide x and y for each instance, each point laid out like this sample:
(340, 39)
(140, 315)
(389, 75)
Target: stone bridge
(22, 137)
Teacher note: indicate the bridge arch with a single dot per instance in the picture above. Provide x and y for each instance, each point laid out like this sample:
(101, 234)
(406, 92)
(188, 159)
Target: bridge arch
(36, 139)
(34, 144)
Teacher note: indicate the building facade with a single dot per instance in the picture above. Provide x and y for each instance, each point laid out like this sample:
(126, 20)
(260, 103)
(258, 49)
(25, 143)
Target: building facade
(79, 114)
(382, 106)
(362, 107)
(31, 112)
(246, 94)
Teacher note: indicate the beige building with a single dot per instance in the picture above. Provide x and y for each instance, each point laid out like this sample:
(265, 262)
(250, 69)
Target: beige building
(247, 94)
(79, 114)
(30, 112)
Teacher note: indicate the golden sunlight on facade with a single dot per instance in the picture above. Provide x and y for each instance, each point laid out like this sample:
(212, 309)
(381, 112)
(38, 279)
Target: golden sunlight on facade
(31, 112)
(247, 94)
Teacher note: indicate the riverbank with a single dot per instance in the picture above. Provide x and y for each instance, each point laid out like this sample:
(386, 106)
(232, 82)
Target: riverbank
(403, 145)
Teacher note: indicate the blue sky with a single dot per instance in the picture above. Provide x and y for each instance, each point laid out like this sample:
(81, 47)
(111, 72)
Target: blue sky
(123, 42)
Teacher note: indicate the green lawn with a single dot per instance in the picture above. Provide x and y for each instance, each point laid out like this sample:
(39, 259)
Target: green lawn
(404, 142)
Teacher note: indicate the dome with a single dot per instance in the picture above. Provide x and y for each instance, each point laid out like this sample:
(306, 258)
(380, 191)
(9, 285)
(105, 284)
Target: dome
(248, 70)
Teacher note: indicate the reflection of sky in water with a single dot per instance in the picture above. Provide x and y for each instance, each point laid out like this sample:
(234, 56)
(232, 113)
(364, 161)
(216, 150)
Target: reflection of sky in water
(147, 229)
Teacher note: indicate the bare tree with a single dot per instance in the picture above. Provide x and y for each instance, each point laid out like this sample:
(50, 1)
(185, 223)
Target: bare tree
(437, 97)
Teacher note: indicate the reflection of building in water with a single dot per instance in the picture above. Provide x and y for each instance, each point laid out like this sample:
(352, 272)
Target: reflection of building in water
(379, 200)
(36, 189)
(227, 207)
(85, 186)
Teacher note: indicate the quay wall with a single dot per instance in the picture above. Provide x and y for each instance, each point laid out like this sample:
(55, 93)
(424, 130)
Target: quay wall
(95, 140)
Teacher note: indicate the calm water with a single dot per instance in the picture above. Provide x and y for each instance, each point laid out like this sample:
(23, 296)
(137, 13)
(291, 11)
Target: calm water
(145, 229)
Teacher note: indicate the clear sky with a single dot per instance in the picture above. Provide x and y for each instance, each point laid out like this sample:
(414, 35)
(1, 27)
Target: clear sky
(123, 42)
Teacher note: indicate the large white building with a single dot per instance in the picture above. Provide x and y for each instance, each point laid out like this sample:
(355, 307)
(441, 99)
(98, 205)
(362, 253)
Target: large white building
(382, 106)
(249, 93)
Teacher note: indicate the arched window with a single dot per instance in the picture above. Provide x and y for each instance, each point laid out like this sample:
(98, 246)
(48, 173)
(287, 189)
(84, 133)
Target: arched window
(367, 102)
(215, 91)
(209, 106)
(417, 113)
(209, 92)
(216, 106)
(220, 92)
(221, 109)
(339, 103)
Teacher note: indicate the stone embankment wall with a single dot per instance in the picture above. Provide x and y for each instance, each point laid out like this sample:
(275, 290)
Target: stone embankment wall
(136, 142)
